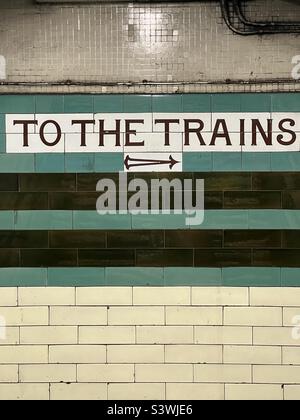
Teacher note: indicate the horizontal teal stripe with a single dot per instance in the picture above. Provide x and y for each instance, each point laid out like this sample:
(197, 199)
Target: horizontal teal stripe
(224, 102)
(90, 220)
(114, 162)
(148, 276)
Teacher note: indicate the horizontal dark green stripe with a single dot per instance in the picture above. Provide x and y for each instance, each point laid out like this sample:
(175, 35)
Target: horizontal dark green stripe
(91, 220)
(220, 102)
(114, 162)
(206, 277)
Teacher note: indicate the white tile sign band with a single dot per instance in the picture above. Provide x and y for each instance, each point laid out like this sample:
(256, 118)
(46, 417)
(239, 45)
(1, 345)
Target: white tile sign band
(152, 139)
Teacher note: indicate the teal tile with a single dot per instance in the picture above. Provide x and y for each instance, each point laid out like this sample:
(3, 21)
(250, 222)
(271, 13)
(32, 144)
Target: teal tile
(167, 103)
(161, 221)
(251, 277)
(108, 103)
(89, 220)
(137, 103)
(109, 162)
(286, 102)
(256, 102)
(226, 102)
(290, 277)
(256, 162)
(23, 277)
(50, 163)
(79, 103)
(76, 277)
(43, 220)
(2, 123)
(227, 162)
(2, 143)
(197, 103)
(193, 277)
(224, 219)
(197, 162)
(17, 163)
(134, 276)
(274, 219)
(79, 162)
(49, 104)
(286, 161)
(7, 220)
(17, 104)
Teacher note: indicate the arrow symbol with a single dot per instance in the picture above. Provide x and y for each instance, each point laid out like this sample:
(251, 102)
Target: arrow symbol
(148, 162)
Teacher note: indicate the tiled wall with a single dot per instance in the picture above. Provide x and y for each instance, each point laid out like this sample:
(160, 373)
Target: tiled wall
(161, 42)
(148, 343)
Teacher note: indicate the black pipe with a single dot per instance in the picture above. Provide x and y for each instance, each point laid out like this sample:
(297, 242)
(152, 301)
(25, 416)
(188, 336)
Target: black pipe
(253, 29)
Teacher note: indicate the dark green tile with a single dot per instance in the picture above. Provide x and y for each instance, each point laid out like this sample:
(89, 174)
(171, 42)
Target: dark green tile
(222, 258)
(194, 239)
(290, 277)
(137, 103)
(79, 103)
(76, 277)
(108, 162)
(47, 182)
(2, 123)
(108, 103)
(276, 258)
(195, 103)
(198, 162)
(49, 104)
(50, 163)
(23, 239)
(80, 162)
(291, 200)
(204, 277)
(256, 102)
(136, 239)
(73, 201)
(252, 239)
(251, 277)
(9, 257)
(2, 143)
(276, 181)
(252, 200)
(164, 258)
(23, 277)
(229, 162)
(226, 102)
(256, 162)
(23, 201)
(48, 258)
(9, 182)
(167, 103)
(17, 104)
(77, 239)
(125, 276)
(286, 102)
(106, 258)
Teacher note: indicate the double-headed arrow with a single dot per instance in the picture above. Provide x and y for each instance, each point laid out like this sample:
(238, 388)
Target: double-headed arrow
(148, 162)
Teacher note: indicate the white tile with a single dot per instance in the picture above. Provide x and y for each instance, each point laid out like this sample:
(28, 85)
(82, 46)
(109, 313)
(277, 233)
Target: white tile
(14, 144)
(262, 147)
(141, 157)
(18, 129)
(110, 122)
(220, 144)
(155, 142)
(233, 120)
(73, 144)
(65, 122)
(180, 128)
(277, 117)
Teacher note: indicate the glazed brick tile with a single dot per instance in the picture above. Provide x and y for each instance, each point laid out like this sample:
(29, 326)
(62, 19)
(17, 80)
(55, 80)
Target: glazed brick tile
(252, 200)
(291, 200)
(276, 258)
(136, 239)
(252, 239)
(9, 182)
(77, 239)
(23, 201)
(276, 181)
(223, 258)
(164, 258)
(9, 257)
(106, 258)
(47, 182)
(73, 201)
(48, 258)
(23, 239)
(194, 239)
